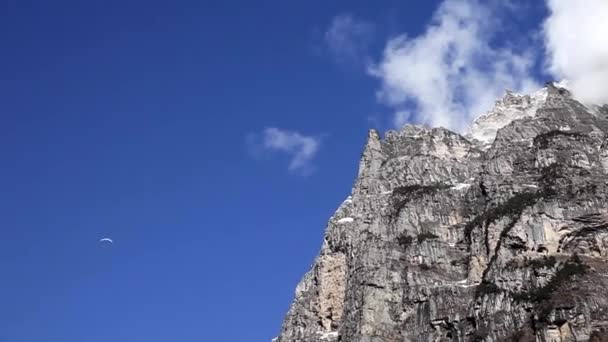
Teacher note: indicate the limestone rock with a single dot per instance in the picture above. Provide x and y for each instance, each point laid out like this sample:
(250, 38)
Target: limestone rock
(501, 235)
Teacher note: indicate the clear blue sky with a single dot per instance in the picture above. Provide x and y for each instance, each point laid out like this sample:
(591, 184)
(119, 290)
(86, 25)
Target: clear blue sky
(129, 119)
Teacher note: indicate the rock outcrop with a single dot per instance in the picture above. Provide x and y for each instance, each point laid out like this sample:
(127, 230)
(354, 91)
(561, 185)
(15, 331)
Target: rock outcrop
(501, 236)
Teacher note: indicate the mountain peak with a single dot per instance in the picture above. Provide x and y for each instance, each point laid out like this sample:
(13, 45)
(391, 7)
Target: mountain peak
(512, 106)
(439, 241)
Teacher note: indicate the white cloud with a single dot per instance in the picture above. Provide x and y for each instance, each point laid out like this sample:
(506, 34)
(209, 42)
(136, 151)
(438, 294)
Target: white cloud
(302, 149)
(401, 117)
(575, 39)
(348, 38)
(451, 73)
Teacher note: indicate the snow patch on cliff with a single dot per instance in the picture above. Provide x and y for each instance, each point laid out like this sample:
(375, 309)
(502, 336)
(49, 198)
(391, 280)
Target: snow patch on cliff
(346, 220)
(329, 335)
(461, 186)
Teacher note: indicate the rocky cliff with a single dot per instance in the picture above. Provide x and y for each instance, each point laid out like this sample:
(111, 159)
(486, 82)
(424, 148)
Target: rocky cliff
(501, 235)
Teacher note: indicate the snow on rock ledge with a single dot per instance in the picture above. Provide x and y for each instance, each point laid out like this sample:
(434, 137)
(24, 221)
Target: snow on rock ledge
(346, 220)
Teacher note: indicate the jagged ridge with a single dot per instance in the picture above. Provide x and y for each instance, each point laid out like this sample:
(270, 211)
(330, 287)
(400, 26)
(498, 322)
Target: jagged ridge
(499, 237)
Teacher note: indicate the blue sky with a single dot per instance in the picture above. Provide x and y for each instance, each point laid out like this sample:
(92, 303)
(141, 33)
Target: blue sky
(151, 122)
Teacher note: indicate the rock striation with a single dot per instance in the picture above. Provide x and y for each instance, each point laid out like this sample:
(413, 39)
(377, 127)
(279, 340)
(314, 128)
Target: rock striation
(499, 235)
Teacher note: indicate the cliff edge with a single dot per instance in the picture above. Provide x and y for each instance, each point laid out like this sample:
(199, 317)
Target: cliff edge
(498, 235)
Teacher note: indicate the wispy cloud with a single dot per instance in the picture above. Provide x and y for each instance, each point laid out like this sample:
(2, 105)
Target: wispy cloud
(348, 39)
(575, 38)
(301, 149)
(451, 73)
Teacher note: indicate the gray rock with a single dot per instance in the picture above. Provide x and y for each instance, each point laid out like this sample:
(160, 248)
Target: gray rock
(447, 238)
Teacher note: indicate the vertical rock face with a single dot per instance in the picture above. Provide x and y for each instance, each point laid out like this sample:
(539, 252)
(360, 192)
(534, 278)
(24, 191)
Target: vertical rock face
(446, 238)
